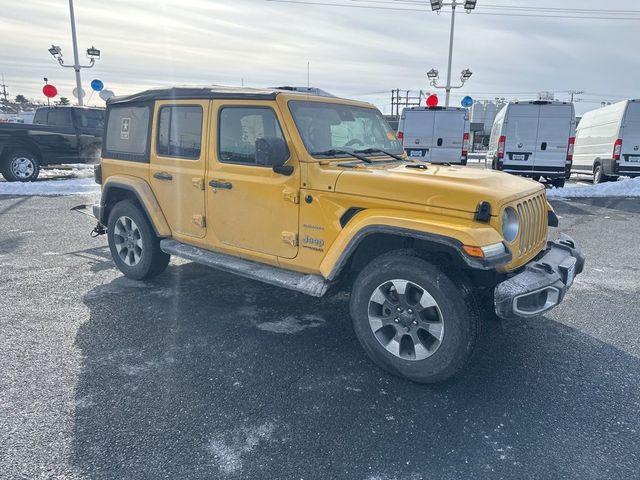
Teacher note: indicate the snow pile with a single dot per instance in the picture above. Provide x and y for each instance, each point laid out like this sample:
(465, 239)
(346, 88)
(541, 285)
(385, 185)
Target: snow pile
(621, 188)
(70, 171)
(73, 186)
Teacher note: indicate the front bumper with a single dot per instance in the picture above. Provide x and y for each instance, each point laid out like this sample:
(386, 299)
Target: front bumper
(543, 282)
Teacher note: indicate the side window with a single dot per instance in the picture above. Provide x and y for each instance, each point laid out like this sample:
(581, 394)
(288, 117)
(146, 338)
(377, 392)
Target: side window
(59, 117)
(180, 131)
(240, 127)
(127, 132)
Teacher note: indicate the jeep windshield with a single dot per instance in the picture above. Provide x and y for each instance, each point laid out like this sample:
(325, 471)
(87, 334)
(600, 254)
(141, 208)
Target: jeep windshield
(337, 130)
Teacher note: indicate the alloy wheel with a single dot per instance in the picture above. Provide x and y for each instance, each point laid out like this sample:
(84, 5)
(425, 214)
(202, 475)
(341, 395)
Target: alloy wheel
(128, 240)
(406, 320)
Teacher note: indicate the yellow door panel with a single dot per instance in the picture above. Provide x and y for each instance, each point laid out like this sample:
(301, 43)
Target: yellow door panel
(178, 164)
(249, 206)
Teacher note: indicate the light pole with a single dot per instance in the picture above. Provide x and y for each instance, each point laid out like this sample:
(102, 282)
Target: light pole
(574, 93)
(93, 54)
(436, 6)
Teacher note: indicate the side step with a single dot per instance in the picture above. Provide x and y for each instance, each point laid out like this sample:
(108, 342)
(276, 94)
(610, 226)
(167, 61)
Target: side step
(313, 285)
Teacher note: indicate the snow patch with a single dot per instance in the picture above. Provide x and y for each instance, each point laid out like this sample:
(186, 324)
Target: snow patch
(74, 186)
(291, 324)
(621, 188)
(228, 449)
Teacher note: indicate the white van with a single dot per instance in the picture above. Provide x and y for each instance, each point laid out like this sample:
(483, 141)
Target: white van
(435, 134)
(534, 139)
(608, 142)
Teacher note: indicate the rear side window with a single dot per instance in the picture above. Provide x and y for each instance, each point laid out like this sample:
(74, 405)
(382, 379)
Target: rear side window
(180, 131)
(240, 127)
(59, 117)
(90, 118)
(127, 133)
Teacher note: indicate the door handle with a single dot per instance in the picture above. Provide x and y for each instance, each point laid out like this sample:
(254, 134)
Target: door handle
(217, 184)
(163, 176)
(439, 142)
(543, 146)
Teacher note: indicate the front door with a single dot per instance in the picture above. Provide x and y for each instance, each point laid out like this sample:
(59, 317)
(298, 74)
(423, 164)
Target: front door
(251, 208)
(177, 164)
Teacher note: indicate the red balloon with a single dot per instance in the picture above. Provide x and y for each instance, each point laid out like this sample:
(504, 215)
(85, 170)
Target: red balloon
(49, 91)
(432, 101)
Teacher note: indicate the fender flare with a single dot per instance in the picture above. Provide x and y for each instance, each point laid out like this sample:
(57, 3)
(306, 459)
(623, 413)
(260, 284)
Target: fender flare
(452, 235)
(145, 196)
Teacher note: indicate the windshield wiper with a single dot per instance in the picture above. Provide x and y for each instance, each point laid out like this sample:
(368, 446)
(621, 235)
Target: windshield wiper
(336, 151)
(369, 151)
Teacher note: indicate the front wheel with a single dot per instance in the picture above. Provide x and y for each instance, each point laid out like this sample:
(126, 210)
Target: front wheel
(20, 166)
(134, 246)
(412, 319)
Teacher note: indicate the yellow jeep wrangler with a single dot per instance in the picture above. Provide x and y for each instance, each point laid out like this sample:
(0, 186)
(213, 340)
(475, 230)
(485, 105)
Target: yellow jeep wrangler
(313, 193)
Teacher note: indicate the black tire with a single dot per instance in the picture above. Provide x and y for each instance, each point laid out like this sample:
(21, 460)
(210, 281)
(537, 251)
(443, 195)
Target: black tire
(136, 262)
(20, 166)
(558, 182)
(598, 174)
(458, 315)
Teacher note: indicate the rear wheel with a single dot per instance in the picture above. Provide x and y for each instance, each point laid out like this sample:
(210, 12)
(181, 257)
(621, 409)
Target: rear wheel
(134, 246)
(20, 166)
(412, 319)
(558, 182)
(598, 174)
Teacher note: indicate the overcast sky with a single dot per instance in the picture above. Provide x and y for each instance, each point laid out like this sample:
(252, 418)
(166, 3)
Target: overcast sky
(354, 52)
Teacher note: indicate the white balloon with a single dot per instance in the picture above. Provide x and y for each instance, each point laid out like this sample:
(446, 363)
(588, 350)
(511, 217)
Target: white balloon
(106, 94)
(75, 92)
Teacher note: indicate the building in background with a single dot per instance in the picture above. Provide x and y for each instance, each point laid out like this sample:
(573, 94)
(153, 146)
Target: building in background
(482, 115)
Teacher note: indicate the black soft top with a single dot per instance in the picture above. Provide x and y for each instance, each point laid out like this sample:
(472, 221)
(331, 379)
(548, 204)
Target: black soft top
(210, 92)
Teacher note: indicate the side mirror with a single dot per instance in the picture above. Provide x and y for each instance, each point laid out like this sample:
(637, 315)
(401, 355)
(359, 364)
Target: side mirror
(271, 152)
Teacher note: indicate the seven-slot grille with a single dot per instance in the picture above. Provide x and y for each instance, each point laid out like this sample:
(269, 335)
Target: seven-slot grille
(533, 223)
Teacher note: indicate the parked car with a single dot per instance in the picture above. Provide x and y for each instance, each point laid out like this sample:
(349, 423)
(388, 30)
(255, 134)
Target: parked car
(58, 135)
(314, 194)
(534, 139)
(435, 134)
(608, 142)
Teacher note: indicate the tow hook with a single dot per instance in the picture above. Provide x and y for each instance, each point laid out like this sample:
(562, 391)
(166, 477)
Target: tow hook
(98, 230)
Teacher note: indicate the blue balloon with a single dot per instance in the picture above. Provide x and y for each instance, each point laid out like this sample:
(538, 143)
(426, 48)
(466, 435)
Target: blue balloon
(467, 101)
(97, 85)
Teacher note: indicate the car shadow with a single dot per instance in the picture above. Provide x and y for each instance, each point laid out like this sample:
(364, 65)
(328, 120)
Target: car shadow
(201, 374)
(98, 258)
(583, 206)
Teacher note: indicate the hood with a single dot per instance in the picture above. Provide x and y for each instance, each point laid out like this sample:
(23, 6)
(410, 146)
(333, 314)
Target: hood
(458, 188)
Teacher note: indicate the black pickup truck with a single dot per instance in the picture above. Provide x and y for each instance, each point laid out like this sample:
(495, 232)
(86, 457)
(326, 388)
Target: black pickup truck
(58, 135)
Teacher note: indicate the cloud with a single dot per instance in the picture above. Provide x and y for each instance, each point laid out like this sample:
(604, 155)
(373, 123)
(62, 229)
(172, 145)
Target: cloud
(352, 52)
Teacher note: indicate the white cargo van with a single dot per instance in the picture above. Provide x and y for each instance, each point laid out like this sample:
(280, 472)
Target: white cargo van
(534, 139)
(608, 142)
(435, 134)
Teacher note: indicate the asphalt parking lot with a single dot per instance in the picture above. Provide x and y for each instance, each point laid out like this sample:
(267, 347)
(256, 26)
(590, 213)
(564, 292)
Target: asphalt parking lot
(201, 374)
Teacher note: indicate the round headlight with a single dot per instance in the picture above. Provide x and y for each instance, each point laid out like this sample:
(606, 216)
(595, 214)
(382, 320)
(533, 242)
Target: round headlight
(510, 224)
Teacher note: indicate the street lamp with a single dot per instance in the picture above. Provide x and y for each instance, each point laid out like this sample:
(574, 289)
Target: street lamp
(92, 53)
(470, 5)
(436, 6)
(433, 76)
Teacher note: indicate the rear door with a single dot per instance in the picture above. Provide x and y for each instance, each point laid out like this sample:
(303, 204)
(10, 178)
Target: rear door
(630, 153)
(554, 129)
(448, 136)
(521, 132)
(418, 134)
(177, 163)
